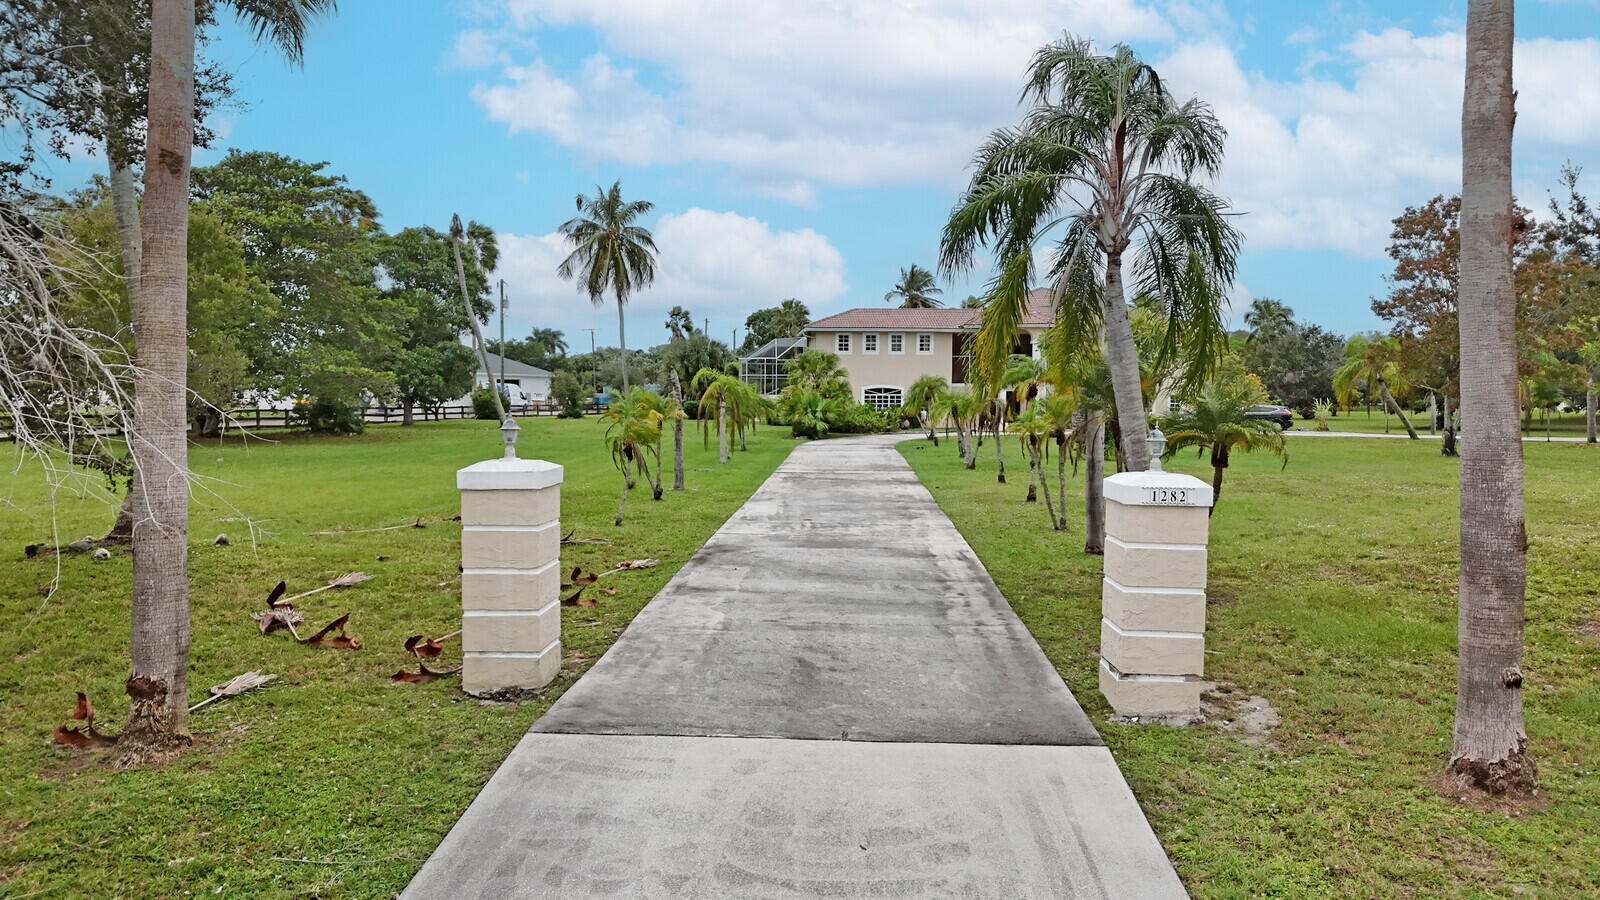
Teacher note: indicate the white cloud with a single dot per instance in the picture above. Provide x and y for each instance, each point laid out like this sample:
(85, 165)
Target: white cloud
(717, 264)
(852, 94)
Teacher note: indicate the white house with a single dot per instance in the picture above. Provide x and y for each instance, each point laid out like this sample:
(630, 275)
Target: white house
(532, 381)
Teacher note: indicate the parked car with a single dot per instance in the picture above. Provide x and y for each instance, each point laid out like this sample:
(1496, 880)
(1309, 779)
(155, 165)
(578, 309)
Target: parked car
(1271, 412)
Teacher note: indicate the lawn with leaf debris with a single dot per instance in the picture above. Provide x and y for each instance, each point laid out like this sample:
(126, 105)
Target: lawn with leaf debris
(333, 780)
(1332, 597)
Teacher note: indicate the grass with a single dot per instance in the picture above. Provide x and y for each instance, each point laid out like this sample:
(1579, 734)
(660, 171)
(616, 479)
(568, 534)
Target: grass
(332, 763)
(1357, 420)
(1332, 595)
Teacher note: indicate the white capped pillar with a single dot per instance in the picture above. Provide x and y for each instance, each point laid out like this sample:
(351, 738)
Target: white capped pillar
(1153, 598)
(510, 574)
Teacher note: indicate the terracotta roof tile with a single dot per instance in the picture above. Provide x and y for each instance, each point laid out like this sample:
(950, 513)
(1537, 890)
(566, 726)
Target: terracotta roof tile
(867, 318)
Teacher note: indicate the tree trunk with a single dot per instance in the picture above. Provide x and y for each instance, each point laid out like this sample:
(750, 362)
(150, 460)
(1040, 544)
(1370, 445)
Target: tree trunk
(1094, 477)
(125, 207)
(1122, 357)
(406, 418)
(933, 434)
(1388, 403)
(1049, 504)
(1433, 413)
(1490, 749)
(622, 344)
(677, 454)
(1219, 464)
(999, 445)
(627, 484)
(1033, 474)
(1447, 444)
(1588, 410)
(722, 431)
(159, 634)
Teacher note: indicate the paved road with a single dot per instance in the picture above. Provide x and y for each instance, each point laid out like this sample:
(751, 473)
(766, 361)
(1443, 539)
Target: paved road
(831, 699)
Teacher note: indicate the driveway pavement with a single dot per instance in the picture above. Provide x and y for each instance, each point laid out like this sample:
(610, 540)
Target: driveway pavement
(831, 699)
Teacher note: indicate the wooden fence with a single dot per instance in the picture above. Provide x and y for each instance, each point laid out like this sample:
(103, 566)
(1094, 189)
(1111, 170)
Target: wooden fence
(259, 418)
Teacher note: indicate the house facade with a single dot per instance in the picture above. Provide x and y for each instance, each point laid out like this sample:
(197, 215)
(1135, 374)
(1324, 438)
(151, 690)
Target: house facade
(532, 381)
(884, 351)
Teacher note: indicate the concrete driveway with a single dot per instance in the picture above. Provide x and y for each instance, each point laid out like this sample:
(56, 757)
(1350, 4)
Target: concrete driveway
(831, 699)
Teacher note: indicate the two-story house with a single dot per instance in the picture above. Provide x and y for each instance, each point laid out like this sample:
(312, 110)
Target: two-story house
(884, 351)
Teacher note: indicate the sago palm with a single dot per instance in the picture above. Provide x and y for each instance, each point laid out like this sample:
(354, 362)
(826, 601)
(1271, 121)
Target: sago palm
(1103, 163)
(915, 289)
(610, 253)
(1216, 421)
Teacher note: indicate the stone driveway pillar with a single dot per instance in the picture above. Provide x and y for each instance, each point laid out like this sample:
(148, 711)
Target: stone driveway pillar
(1153, 598)
(510, 574)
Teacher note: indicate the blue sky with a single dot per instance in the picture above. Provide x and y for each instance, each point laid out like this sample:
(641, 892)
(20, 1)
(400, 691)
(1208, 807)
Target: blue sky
(810, 150)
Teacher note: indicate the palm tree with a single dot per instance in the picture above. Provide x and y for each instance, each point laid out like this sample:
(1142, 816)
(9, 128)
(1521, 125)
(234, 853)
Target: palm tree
(679, 323)
(159, 641)
(609, 252)
(818, 370)
(552, 340)
(1215, 420)
(661, 409)
(1266, 315)
(1490, 747)
(633, 429)
(1032, 429)
(915, 289)
(920, 398)
(716, 389)
(676, 413)
(960, 408)
(1377, 362)
(1107, 153)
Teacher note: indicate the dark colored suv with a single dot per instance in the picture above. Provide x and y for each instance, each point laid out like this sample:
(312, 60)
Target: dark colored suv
(1277, 415)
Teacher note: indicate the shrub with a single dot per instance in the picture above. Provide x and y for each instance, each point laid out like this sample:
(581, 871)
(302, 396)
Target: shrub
(483, 404)
(1322, 412)
(328, 416)
(566, 391)
(860, 418)
(691, 409)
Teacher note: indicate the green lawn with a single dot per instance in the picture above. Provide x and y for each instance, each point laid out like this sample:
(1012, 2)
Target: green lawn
(333, 762)
(1357, 420)
(1332, 595)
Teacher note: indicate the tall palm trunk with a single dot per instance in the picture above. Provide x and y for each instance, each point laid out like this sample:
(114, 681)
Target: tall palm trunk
(1049, 504)
(999, 446)
(1033, 473)
(622, 344)
(159, 642)
(1094, 485)
(677, 454)
(1219, 464)
(1122, 357)
(1490, 748)
(125, 207)
(1389, 403)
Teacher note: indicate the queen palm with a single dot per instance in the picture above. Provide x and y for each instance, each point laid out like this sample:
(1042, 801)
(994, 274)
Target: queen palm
(1375, 362)
(916, 289)
(1490, 746)
(1103, 163)
(159, 635)
(1215, 421)
(610, 253)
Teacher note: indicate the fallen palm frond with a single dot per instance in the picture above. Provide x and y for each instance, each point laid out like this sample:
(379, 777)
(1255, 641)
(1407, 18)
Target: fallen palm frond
(235, 686)
(423, 647)
(341, 641)
(423, 675)
(86, 736)
(343, 581)
(416, 523)
(569, 539)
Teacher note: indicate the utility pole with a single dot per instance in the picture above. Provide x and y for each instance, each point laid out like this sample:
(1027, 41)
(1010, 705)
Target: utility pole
(502, 334)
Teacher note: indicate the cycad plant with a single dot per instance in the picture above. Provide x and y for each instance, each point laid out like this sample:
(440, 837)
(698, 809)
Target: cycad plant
(1106, 153)
(633, 430)
(1215, 421)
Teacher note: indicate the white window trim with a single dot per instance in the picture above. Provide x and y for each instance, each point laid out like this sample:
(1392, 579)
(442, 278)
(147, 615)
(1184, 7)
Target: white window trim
(841, 343)
(869, 344)
(927, 352)
(884, 387)
(892, 350)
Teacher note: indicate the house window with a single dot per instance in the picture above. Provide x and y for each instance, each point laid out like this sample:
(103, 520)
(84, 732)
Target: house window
(882, 397)
(924, 344)
(897, 343)
(869, 343)
(841, 343)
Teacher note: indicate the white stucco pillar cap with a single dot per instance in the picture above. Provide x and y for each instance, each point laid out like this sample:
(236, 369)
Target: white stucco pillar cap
(508, 475)
(1157, 489)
